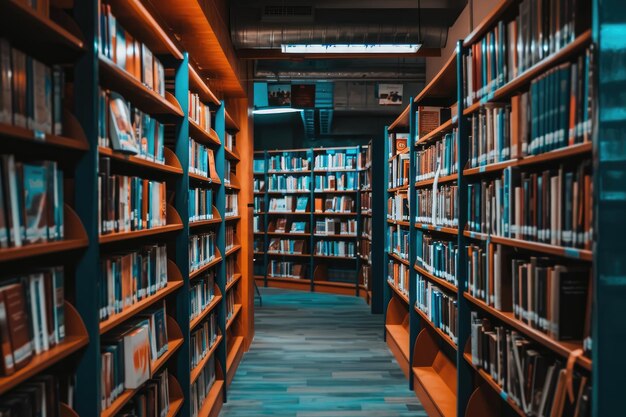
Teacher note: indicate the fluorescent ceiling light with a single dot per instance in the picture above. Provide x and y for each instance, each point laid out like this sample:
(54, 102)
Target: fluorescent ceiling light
(350, 49)
(276, 110)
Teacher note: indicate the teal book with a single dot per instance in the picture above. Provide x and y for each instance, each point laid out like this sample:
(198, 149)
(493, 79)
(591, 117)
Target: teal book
(34, 195)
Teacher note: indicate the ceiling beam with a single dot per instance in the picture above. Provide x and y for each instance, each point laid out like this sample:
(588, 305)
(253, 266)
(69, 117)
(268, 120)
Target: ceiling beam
(276, 54)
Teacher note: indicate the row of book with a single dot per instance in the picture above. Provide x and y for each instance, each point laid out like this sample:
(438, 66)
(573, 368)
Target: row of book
(259, 205)
(279, 183)
(552, 206)
(230, 305)
(333, 226)
(126, 129)
(201, 294)
(337, 204)
(32, 316)
(258, 185)
(128, 278)
(201, 160)
(437, 160)
(334, 160)
(287, 162)
(199, 112)
(128, 352)
(532, 378)
(258, 224)
(232, 205)
(365, 179)
(440, 308)
(438, 257)
(398, 276)
(39, 396)
(282, 225)
(339, 248)
(227, 171)
(230, 237)
(231, 269)
(398, 207)
(202, 339)
(31, 202)
(439, 206)
(289, 204)
(492, 138)
(366, 230)
(201, 250)
(365, 249)
(31, 93)
(200, 204)
(548, 296)
(540, 29)
(339, 181)
(129, 203)
(134, 57)
(366, 202)
(153, 400)
(230, 141)
(287, 246)
(366, 275)
(399, 171)
(285, 269)
(202, 386)
(398, 241)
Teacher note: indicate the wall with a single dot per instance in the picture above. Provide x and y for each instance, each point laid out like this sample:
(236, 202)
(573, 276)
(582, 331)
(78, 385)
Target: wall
(464, 24)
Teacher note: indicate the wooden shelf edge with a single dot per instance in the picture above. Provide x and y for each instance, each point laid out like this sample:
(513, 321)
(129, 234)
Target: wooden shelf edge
(172, 168)
(197, 370)
(236, 310)
(204, 268)
(437, 330)
(399, 293)
(198, 319)
(439, 281)
(233, 282)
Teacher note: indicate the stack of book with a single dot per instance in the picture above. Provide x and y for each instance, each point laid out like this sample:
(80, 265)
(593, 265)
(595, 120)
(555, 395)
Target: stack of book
(337, 204)
(398, 241)
(286, 246)
(201, 294)
(231, 232)
(200, 204)
(199, 112)
(440, 308)
(202, 386)
(202, 339)
(335, 160)
(437, 257)
(129, 278)
(437, 160)
(438, 207)
(398, 276)
(284, 269)
(337, 248)
(32, 92)
(31, 202)
(334, 226)
(398, 207)
(232, 208)
(287, 162)
(278, 183)
(153, 400)
(338, 181)
(399, 171)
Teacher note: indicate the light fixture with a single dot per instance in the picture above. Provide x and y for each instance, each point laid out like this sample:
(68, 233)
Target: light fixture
(276, 110)
(350, 48)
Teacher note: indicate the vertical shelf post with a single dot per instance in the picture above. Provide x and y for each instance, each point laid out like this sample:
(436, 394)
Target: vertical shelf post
(311, 157)
(378, 274)
(414, 319)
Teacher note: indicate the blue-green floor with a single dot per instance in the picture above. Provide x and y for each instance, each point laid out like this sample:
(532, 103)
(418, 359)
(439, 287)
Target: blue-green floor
(318, 355)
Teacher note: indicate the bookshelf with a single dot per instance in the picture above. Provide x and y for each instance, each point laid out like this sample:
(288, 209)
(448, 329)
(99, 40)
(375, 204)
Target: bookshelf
(467, 274)
(99, 248)
(296, 234)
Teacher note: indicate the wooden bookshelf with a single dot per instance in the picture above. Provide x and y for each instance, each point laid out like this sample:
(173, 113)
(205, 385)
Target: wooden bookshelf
(174, 224)
(195, 372)
(197, 320)
(171, 165)
(439, 281)
(209, 137)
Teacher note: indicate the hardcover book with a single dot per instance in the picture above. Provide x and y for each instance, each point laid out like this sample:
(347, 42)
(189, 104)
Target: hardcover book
(34, 202)
(121, 131)
(137, 356)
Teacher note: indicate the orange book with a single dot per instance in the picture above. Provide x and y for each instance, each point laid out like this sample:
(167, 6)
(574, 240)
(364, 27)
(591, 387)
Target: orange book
(212, 171)
(6, 364)
(319, 203)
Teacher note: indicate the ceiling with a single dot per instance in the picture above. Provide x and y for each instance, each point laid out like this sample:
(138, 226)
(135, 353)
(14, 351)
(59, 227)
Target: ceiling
(259, 27)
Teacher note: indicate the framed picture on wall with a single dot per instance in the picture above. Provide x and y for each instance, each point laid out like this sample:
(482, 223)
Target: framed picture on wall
(390, 94)
(279, 95)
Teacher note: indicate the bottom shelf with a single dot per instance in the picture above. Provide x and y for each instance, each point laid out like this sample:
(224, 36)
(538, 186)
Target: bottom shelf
(398, 342)
(213, 402)
(434, 376)
(235, 353)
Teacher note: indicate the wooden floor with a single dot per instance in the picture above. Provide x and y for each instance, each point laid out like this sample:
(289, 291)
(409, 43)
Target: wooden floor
(318, 355)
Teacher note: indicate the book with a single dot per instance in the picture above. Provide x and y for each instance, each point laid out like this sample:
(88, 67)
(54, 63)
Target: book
(137, 355)
(440, 307)
(441, 157)
(231, 206)
(22, 344)
(398, 276)
(34, 177)
(121, 132)
(201, 204)
(430, 118)
(303, 204)
(288, 161)
(203, 338)
(202, 250)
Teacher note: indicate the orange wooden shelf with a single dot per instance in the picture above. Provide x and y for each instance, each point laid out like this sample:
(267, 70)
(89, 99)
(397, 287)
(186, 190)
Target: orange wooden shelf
(200, 87)
(497, 388)
(75, 238)
(197, 133)
(232, 250)
(334, 257)
(230, 122)
(294, 255)
(75, 339)
(206, 180)
(439, 281)
(133, 90)
(399, 293)
(174, 224)
(439, 131)
(398, 258)
(235, 352)
(440, 229)
(286, 171)
(396, 189)
(231, 154)
(233, 282)
(75, 139)
(200, 223)
(66, 411)
(441, 180)
(332, 214)
(232, 218)
(398, 222)
(335, 191)
(333, 170)
(563, 348)
(44, 36)
(209, 265)
(289, 234)
(442, 86)
(571, 253)
(306, 281)
(400, 336)
(171, 165)
(336, 236)
(175, 281)
(335, 284)
(401, 122)
(279, 192)
(233, 318)
(197, 370)
(213, 402)
(289, 213)
(497, 166)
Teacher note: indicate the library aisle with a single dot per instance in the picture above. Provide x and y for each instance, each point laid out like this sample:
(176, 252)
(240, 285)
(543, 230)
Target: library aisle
(318, 355)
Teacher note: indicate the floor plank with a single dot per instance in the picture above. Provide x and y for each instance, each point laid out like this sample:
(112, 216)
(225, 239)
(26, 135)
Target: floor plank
(318, 355)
